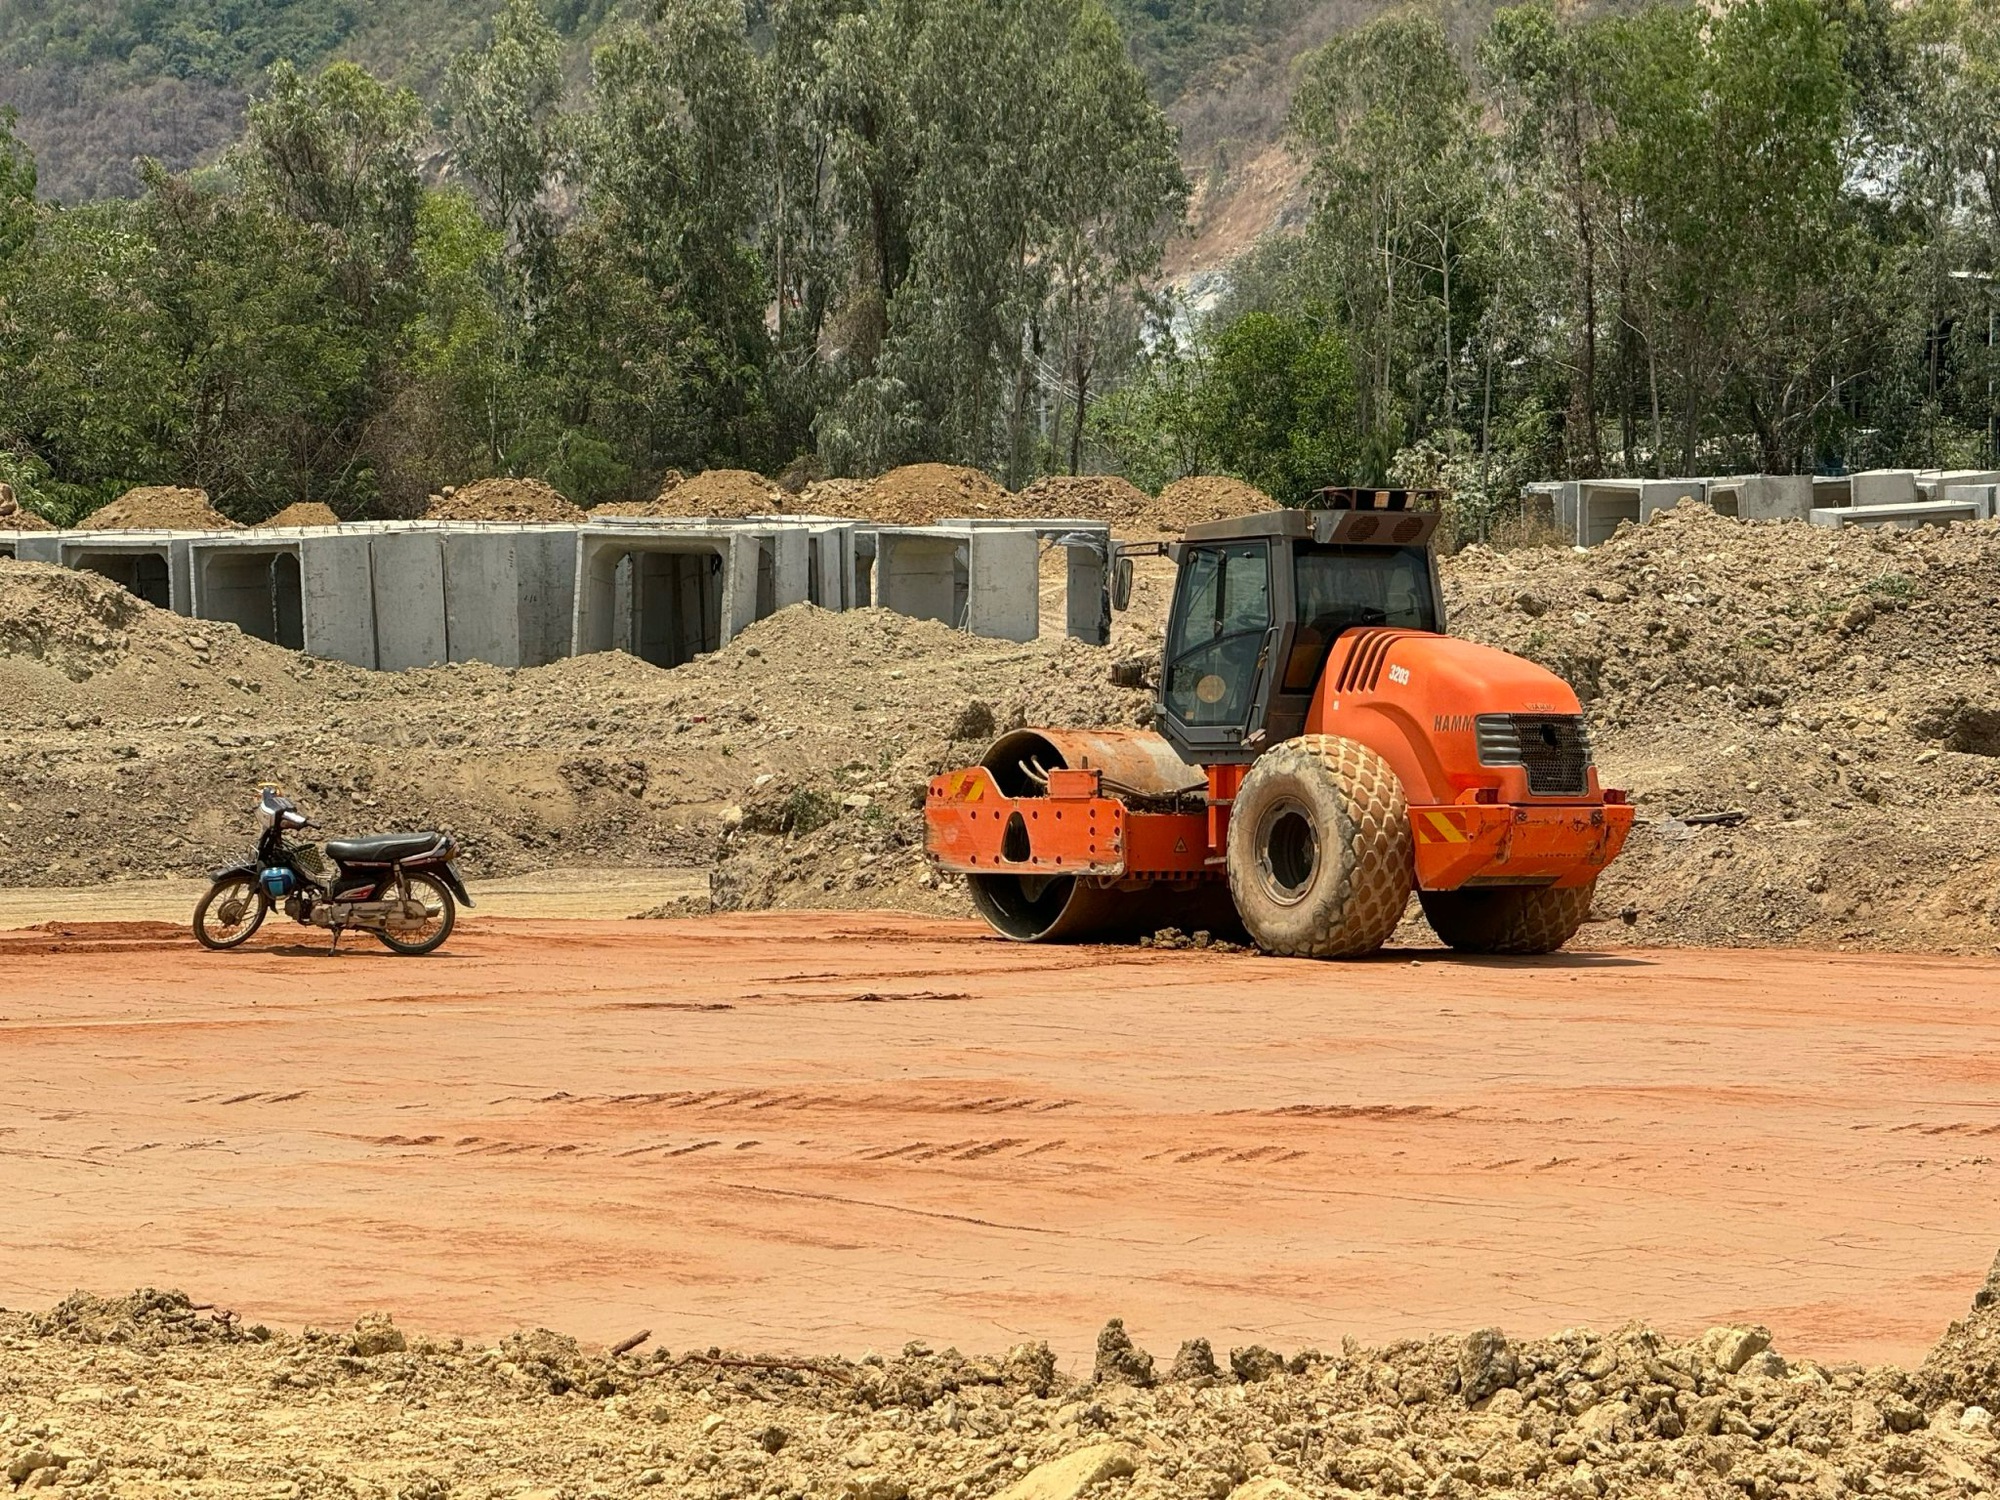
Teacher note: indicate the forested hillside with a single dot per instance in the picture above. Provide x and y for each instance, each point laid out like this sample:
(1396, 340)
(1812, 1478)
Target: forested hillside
(101, 83)
(842, 235)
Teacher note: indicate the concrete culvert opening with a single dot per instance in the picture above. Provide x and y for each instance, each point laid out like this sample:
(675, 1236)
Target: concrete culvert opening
(143, 574)
(259, 592)
(676, 606)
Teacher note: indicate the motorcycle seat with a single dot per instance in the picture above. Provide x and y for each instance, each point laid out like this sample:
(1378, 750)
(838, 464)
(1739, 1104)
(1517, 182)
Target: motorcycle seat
(382, 848)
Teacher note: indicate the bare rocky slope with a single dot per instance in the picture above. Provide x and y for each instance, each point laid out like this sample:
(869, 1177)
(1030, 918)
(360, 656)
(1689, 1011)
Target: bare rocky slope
(1809, 721)
(151, 1394)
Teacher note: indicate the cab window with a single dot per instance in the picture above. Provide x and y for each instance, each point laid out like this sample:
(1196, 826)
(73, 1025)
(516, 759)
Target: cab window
(1218, 630)
(1339, 588)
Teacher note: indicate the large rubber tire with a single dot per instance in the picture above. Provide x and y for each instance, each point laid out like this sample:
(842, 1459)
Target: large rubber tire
(1320, 857)
(1508, 918)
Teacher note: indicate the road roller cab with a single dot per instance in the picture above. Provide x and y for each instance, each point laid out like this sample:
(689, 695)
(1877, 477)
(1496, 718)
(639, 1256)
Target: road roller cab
(1322, 749)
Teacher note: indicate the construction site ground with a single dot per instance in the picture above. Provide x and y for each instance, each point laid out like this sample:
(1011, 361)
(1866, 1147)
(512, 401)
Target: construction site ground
(831, 1131)
(829, 1115)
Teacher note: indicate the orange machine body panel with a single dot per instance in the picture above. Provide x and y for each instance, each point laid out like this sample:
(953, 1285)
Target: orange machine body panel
(1074, 830)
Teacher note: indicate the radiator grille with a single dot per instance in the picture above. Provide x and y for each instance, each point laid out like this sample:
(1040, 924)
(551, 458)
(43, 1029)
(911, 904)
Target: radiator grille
(1553, 748)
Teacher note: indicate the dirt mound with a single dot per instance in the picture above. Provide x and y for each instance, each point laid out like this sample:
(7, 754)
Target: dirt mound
(147, 1319)
(304, 513)
(918, 494)
(1086, 497)
(713, 492)
(729, 492)
(73, 623)
(835, 497)
(158, 507)
(15, 516)
(596, 760)
(1580, 1414)
(1807, 718)
(1205, 497)
(514, 500)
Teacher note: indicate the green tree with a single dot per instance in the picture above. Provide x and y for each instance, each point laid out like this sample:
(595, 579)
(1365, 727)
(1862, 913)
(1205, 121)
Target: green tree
(511, 141)
(17, 192)
(1398, 163)
(1279, 407)
(1114, 188)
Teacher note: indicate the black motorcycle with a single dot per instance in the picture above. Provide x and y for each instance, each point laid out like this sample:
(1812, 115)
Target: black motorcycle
(400, 886)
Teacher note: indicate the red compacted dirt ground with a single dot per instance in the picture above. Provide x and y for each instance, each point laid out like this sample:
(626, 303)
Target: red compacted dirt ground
(834, 1130)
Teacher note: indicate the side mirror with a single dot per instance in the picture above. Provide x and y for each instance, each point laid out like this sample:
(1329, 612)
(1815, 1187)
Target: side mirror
(1121, 583)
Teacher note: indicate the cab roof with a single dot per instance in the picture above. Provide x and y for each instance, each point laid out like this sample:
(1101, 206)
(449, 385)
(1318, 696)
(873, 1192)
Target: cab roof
(1349, 516)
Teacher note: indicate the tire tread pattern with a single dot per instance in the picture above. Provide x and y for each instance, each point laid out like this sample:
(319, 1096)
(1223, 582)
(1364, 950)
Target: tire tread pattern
(1378, 864)
(1508, 919)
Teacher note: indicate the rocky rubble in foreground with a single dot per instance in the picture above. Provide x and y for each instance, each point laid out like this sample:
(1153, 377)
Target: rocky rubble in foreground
(152, 1395)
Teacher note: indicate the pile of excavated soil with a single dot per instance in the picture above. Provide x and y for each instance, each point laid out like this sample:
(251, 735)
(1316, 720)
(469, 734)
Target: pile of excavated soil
(834, 497)
(110, 1397)
(1205, 497)
(304, 513)
(503, 500)
(728, 492)
(135, 741)
(158, 507)
(918, 494)
(1088, 497)
(1829, 693)
(713, 492)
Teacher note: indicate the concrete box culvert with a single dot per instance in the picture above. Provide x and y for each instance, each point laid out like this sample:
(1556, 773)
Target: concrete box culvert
(664, 594)
(509, 593)
(151, 565)
(303, 590)
(800, 559)
(1086, 545)
(984, 582)
(1902, 517)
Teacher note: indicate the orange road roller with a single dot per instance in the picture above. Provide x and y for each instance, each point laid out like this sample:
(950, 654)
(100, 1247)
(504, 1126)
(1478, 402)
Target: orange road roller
(1323, 748)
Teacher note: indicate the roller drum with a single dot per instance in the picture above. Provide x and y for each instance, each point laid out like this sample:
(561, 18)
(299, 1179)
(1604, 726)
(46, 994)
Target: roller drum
(1134, 765)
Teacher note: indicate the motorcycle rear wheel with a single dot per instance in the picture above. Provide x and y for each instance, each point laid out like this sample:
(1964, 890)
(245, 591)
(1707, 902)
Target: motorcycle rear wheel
(441, 916)
(232, 910)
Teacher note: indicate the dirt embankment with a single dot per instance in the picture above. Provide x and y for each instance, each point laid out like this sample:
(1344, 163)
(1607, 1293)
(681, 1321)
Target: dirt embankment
(1829, 696)
(516, 500)
(104, 1396)
(303, 513)
(136, 739)
(1808, 720)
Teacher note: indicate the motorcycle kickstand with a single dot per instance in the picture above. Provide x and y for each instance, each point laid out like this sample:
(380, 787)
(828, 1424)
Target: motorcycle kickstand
(335, 948)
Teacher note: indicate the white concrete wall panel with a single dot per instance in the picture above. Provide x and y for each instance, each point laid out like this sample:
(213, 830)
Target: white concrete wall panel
(408, 578)
(1004, 587)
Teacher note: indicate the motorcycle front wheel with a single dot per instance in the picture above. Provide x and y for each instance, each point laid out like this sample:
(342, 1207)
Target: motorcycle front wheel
(440, 916)
(232, 910)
